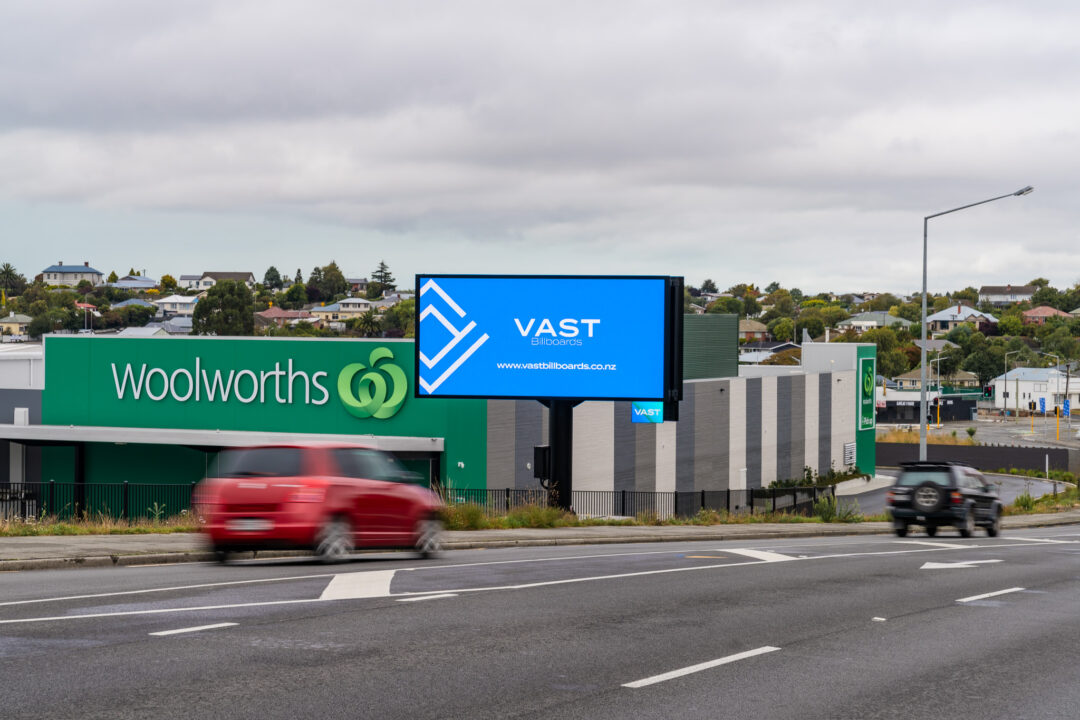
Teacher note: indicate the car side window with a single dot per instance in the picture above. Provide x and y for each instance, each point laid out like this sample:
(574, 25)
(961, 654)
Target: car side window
(368, 464)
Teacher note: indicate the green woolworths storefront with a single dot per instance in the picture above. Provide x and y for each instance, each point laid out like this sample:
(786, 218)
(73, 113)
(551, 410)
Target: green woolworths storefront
(158, 410)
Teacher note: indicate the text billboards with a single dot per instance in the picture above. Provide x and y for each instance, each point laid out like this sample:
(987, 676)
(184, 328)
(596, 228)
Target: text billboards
(600, 338)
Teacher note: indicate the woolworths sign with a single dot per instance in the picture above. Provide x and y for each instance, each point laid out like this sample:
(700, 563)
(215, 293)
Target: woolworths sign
(346, 386)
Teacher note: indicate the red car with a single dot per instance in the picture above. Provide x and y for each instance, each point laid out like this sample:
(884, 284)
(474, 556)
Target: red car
(328, 498)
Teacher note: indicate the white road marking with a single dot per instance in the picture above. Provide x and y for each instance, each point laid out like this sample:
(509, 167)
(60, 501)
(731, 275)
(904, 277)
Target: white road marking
(934, 544)
(877, 619)
(989, 595)
(192, 629)
(1045, 540)
(161, 611)
(428, 597)
(956, 565)
(358, 585)
(763, 555)
(699, 667)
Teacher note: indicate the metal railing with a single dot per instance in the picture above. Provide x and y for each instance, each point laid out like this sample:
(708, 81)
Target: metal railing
(134, 501)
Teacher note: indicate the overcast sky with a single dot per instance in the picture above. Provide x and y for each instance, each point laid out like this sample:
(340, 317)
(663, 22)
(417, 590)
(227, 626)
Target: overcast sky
(740, 141)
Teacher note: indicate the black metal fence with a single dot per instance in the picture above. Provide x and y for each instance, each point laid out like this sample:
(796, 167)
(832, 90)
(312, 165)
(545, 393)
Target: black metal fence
(65, 501)
(133, 501)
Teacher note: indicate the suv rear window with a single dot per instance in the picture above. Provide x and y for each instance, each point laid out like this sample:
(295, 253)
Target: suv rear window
(259, 462)
(918, 477)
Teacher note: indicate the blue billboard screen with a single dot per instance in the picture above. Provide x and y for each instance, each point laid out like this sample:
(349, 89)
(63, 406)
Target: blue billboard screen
(541, 337)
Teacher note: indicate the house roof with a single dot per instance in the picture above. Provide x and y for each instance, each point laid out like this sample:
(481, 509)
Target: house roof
(959, 313)
(152, 330)
(752, 326)
(274, 313)
(190, 277)
(336, 307)
(133, 301)
(238, 276)
(15, 318)
(1033, 374)
(935, 345)
(1044, 311)
(71, 269)
(916, 374)
(1007, 290)
(880, 317)
(772, 346)
(177, 299)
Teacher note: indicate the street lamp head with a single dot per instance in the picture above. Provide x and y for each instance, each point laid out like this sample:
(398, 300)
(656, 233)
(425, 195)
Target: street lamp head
(1024, 191)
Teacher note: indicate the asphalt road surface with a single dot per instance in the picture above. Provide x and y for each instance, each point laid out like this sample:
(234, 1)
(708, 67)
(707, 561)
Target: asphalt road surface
(862, 628)
(1008, 487)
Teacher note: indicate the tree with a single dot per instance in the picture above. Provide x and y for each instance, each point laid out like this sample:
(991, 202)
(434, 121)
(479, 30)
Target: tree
(334, 283)
(792, 356)
(368, 324)
(383, 277)
(84, 286)
(893, 363)
(987, 362)
(293, 298)
(772, 287)
(1010, 325)
(113, 277)
(884, 338)
(272, 279)
(782, 329)
(10, 280)
(168, 283)
(726, 306)
(227, 309)
(708, 286)
(1039, 282)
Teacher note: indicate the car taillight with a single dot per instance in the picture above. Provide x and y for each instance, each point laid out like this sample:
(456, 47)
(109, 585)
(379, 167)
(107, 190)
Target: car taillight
(957, 498)
(890, 497)
(309, 495)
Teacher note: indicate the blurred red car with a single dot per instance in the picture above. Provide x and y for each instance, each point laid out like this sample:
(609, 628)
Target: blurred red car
(328, 498)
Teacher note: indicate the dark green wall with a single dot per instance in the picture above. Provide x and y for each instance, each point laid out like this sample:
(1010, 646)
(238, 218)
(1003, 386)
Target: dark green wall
(710, 346)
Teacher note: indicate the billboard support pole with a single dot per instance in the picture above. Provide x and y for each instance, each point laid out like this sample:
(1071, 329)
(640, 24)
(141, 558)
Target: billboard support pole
(561, 440)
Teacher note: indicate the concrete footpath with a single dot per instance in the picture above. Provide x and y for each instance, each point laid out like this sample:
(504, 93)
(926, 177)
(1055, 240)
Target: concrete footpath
(71, 551)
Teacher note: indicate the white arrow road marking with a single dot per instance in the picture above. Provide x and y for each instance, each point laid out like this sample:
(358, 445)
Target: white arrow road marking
(702, 666)
(955, 565)
(763, 555)
(973, 598)
(163, 633)
(357, 585)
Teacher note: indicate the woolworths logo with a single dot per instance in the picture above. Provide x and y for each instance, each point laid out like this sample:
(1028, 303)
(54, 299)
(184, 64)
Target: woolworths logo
(380, 389)
(371, 398)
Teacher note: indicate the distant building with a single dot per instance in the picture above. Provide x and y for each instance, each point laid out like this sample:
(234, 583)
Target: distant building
(752, 330)
(71, 275)
(871, 320)
(177, 305)
(209, 279)
(1002, 295)
(280, 318)
(955, 316)
(1038, 315)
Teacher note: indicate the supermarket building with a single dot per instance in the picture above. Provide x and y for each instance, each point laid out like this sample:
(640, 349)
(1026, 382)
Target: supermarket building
(100, 409)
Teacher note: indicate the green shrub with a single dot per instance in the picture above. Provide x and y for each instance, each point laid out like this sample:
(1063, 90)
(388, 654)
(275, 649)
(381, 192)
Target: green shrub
(825, 508)
(1024, 501)
(971, 432)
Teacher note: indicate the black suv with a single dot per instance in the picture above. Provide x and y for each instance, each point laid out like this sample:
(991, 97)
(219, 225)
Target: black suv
(933, 494)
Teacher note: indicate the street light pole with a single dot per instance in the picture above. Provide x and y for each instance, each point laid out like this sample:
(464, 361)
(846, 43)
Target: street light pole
(922, 366)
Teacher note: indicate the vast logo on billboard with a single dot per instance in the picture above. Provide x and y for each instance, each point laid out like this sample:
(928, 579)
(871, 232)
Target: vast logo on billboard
(456, 360)
(380, 391)
(647, 412)
(371, 397)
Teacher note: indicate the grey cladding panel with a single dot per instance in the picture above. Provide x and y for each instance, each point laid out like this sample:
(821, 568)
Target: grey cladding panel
(825, 383)
(753, 433)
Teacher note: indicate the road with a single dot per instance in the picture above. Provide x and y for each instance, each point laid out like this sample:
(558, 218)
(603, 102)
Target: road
(856, 627)
(1008, 487)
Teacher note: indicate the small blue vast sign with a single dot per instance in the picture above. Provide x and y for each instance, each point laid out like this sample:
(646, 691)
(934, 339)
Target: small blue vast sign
(1066, 410)
(541, 337)
(1042, 405)
(647, 412)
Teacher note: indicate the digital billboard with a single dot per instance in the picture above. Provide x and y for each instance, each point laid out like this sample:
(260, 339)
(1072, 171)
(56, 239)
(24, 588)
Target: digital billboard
(603, 338)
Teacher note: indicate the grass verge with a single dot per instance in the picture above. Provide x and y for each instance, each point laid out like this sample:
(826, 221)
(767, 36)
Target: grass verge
(103, 525)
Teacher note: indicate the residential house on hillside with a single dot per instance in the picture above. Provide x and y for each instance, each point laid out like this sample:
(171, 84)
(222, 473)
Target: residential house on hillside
(133, 302)
(752, 330)
(912, 380)
(14, 324)
(956, 315)
(71, 275)
(346, 309)
(755, 353)
(357, 286)
(189, 282)
(209, 279)
(152, 330)
(870, 320)
(935, 345)
(1002, 295)
(177, 305)
(280, 318)
(1038, 315)
(134, 282)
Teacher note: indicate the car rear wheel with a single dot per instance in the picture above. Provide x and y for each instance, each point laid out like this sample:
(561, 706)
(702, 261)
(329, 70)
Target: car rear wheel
(900, 528)
(994, 528)
(928, 497)
(429, 537)
(335, 541)
(931, 530)
(221, 557)
(967, 528)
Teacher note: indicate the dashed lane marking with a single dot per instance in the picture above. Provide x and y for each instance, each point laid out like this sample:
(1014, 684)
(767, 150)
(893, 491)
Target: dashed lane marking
(984, 596)
(215, 626)
(699, 667)
(763, 555)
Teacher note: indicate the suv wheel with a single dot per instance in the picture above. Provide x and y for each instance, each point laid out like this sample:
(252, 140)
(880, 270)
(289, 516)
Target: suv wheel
(335, 541)
(931, 530)
(994, 528)
(967, 529)
(928, 497)
(900, 528)
(429, 537)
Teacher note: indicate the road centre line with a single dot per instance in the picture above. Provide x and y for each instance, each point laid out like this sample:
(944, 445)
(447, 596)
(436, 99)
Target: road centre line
(163, 633)
(973, 598)
(428, 597)
(699, 667)
(934, 544)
